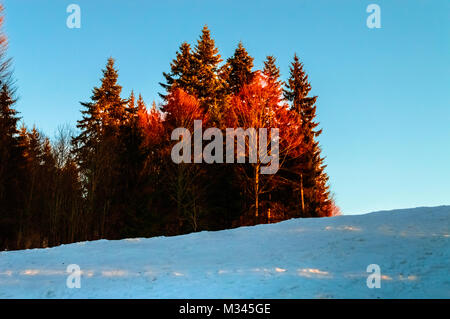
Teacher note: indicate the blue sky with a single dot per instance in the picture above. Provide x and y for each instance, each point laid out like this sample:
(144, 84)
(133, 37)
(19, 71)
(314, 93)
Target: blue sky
(384, 94)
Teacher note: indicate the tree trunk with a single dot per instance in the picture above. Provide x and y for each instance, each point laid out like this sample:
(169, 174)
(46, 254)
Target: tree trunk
(256, 192)
(301, 194)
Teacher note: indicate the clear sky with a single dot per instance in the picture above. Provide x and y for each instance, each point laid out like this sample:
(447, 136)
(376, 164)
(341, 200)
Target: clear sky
(384, 94)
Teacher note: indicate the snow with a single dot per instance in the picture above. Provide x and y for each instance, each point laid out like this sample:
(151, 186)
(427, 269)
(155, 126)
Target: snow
(298, 258)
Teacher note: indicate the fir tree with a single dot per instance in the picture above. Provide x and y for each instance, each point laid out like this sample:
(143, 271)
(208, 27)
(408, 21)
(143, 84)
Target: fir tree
(107, 97)
(12, 173)
(131, 108)
(106, 109)
(271, 71)
(312, 179)
(208, 87)
(8, 117)
(11, 168)
(181, 73)
(99, 146)
(131, 100)
(140, 104)
(196, 72)
(238, 70)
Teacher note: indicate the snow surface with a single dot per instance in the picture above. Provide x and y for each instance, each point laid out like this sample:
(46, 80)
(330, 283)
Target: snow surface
(298, 258)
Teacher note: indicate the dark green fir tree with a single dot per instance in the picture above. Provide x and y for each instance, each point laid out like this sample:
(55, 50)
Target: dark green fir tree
(311, 176)
(182, 73)
(238, 70)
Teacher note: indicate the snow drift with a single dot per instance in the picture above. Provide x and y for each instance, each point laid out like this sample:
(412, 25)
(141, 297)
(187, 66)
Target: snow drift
(298, 258)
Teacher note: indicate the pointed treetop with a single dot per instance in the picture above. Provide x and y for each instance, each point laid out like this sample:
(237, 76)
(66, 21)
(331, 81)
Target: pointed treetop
(296, 90)
(206, 51)
(196, 71)
(131, 100)
(109, 81)
(181, 71)
(140, 104)
(271, 71)
(239, 69)
(106, 101)
(241, 54)
(298, 86)
(206, 85)
(8, 115)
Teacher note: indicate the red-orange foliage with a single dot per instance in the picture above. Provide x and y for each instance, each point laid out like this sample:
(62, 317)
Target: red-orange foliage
(151, 124)
(181, 109)
(335, 209)
(259, 104)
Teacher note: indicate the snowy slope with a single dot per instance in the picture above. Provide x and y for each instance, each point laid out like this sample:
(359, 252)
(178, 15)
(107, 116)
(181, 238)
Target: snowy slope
(298, 258)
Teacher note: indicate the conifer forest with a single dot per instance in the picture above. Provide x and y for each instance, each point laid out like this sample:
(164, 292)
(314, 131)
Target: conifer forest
(110, 175)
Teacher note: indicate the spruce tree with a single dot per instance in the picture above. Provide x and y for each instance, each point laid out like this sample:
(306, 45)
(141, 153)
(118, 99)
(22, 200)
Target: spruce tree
(207, 85)
(12, 173)
(238, 70)
(107, 97)
(131, 100)
(106, 109)
(8, 118)
(271, 71)
(181, 73)
(312, 180)
(196, 72)
(8, 115)
(131, 107)
(9, 144)
(140, 105)
(11, 170)
(99, 146)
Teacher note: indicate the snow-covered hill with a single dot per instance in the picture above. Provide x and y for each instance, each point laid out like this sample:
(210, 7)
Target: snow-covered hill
(298, 258)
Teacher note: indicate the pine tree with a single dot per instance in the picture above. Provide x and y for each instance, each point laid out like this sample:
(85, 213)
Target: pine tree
(271, 71)
(131, 108)
(106, 109)
(11, 170)
(182, 73)
(9, 148)
(238, 70)
(196, 72)
(107, 97)
(132, 101)
(140, 105)
(12, 173)
(98, 148)
(45, 206)
(206, 59)
(8, 115)
(8, 120)
(312, 179)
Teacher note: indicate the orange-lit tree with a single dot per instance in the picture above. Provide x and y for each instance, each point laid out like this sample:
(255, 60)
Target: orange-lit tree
(260, 105)
(185, 185)
(311, 178)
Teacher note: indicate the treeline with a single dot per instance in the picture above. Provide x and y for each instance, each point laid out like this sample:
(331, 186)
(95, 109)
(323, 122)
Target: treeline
(114, 177)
